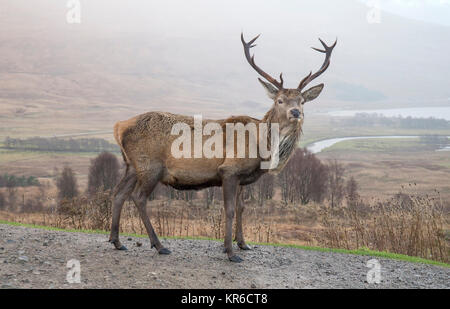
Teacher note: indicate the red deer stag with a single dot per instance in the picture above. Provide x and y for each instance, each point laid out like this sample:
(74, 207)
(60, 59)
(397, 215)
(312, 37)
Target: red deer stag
(146, 143)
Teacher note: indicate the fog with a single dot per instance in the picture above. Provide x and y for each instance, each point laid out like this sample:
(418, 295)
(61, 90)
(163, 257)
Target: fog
(171, 51)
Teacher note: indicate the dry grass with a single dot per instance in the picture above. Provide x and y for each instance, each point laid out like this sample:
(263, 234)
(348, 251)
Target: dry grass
(381, 174)
(407, 223)
(169, 218)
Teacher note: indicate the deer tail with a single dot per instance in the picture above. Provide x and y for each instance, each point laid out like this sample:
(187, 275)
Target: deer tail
(118, 137)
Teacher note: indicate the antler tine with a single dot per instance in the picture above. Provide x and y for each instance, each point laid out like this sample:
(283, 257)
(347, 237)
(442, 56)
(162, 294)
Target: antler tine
(251, 61)
(327, 51)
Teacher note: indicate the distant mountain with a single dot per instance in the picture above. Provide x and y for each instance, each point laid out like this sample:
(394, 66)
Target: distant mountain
(185, 56)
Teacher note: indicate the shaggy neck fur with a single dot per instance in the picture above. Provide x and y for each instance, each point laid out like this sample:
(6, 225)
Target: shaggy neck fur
(289, 137)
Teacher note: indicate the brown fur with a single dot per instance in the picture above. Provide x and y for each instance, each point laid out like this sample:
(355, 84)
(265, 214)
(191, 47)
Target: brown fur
(148, 136)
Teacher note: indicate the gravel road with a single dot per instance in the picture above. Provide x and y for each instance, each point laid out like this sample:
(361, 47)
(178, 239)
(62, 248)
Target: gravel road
(37, 258)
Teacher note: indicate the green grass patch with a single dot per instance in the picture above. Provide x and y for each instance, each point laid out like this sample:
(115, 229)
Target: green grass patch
(361, 251)
(382, 145)
(445, 164)
(11, 155)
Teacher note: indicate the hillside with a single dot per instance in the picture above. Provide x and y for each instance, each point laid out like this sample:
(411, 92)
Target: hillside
(58, 78)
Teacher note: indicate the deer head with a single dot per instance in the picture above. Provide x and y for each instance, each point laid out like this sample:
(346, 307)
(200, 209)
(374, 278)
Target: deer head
(288, 103)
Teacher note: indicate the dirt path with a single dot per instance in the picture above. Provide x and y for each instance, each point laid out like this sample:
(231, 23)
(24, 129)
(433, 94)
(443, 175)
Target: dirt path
(37, 258)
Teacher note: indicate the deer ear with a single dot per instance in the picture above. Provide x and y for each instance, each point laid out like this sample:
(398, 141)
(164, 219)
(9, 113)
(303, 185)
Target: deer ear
(271, 90)
(312, 93)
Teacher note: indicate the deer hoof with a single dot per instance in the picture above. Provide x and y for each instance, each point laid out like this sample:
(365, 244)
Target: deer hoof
(164, 251)
(244, 247)
(118, 245)
(235, 259)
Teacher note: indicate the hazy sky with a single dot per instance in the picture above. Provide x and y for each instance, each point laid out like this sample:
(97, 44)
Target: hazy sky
(177, 50)
(435, 11)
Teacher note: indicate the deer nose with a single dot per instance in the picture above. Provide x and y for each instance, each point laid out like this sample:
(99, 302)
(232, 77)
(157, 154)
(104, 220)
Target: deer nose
(295, 113)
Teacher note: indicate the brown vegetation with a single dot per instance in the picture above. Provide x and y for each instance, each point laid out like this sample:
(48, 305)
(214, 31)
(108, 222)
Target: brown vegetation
(103, 173)
(66, 183)
(304, 178)
(408, 223)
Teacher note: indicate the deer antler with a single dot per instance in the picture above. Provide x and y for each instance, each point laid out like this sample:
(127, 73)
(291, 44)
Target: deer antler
(328, 50)
(251, 61)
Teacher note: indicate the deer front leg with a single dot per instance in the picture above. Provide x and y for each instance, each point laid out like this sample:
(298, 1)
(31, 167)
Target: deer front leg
(239, 233)
(229, 186)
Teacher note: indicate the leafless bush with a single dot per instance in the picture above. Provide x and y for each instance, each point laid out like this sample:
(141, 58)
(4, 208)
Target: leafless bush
(87, 213)
(32, 206)
(336, 189)
(351, 191)
(172, 194)
(12, 198)
(303, 179)
(211, 195)
(264, 188)
(103, 172)
(2, 201)
(67, 185)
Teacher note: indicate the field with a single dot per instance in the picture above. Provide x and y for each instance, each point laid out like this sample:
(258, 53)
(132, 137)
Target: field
(409, 224)
(43, 164)
(381, 167)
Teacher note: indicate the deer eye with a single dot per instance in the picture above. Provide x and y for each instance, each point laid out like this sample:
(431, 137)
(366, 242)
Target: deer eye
(280, 101)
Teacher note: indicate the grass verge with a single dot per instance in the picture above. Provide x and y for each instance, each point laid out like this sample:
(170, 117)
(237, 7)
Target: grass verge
(361, 251)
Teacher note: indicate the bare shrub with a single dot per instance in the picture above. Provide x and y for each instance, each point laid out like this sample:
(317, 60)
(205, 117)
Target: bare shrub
(92, 212)
(211, 195)
(73, 212)
(264, 188)
(303, 179)
(103, 173)
(336, 189)
(351, 191)
(172, 194)
(100, 211)
(2, 201)
(248, 193)
(66, 184)
(12, 198)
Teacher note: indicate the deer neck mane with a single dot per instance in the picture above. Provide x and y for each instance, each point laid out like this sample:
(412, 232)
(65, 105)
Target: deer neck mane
(289, 136)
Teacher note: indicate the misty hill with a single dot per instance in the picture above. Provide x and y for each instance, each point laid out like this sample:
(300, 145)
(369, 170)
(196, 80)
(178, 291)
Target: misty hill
(186, 57)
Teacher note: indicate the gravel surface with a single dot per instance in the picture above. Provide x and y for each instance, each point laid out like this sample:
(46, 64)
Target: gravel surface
(37, 258)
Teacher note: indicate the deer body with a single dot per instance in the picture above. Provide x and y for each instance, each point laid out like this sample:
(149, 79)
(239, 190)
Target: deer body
(146, 144)
(146, 141)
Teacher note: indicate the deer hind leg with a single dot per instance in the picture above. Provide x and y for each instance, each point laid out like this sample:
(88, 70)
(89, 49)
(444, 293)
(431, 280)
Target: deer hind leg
(122, 192)
(239, 234)
(140, 197)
